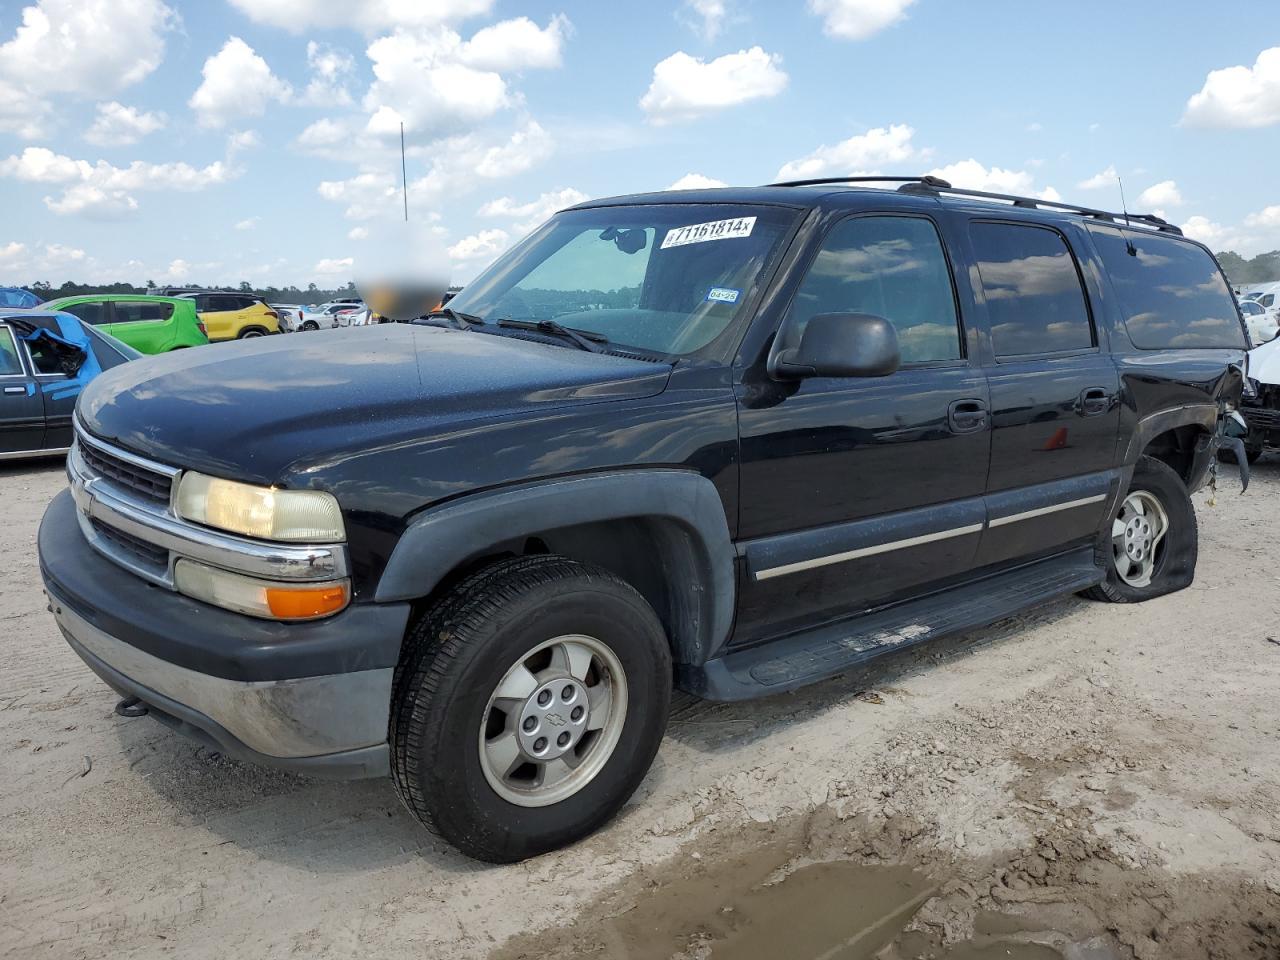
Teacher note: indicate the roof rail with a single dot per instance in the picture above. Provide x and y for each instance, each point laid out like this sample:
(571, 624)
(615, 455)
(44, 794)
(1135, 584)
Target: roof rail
(924, 181)
(935, 186)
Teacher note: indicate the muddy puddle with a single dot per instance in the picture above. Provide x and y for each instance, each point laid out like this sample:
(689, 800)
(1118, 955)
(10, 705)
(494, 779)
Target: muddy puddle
(771, 905)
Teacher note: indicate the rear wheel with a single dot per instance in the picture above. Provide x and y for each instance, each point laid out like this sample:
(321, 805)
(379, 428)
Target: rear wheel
(1151, 543)
(249, 332)
(529, 704)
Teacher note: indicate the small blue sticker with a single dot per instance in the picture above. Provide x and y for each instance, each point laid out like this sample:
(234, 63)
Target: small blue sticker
(723, 295)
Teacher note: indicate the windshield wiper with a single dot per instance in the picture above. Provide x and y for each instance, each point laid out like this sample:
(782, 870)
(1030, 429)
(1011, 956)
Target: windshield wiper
(463, 321)
(585, 339)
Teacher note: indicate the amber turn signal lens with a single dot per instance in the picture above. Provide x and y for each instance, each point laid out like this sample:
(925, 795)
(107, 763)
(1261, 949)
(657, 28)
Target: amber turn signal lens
(306, 603)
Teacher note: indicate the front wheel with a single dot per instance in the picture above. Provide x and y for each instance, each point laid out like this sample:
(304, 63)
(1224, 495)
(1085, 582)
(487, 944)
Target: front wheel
(310, 325)
(1151, 543)
(529, 704)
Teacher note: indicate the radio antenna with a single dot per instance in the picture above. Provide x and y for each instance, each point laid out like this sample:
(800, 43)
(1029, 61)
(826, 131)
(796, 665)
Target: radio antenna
(1124, 207)
(404, 174)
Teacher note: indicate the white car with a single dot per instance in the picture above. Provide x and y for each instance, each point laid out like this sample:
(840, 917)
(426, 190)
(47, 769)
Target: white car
(290, 315)
(1262, 326)
(327, 314)
(1267, 296)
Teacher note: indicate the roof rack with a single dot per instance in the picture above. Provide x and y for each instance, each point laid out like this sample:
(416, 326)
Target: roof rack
(934, 186)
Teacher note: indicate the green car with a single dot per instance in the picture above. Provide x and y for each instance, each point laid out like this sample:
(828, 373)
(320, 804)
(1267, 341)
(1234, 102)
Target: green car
(148, 324)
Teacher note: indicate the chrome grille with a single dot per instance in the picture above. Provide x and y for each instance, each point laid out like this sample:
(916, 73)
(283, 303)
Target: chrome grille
(148, 484)
(149, 555)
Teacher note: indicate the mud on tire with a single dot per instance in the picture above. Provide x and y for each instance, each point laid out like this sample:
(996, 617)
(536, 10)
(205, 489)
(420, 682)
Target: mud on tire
(1175, 556)
(455, 656)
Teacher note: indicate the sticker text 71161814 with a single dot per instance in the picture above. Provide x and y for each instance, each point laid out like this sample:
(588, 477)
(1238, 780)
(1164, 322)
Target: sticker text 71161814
(703, 232)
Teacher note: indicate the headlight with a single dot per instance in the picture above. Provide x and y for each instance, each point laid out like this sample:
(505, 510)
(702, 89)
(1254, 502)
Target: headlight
(260, 598)
(309, 516)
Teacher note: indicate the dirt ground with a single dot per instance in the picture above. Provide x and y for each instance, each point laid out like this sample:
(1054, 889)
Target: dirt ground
(1087, 781)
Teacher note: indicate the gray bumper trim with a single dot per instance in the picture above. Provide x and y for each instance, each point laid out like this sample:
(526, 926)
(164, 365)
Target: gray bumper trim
(280, 722)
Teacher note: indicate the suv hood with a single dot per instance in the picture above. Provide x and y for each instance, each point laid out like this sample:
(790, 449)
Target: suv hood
(252, 410)
(1264, 362)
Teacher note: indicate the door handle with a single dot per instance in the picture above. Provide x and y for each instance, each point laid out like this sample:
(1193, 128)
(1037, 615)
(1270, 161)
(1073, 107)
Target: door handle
(966, 416)
(15, 389)
(1093, 401)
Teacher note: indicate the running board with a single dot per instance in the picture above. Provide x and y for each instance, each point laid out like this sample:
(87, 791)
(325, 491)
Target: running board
(834, 648)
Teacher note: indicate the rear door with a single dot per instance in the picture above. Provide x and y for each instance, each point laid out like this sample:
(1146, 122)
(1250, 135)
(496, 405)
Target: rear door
(21, 408)
(220, 313)
(856, 492)
(1054, 393)
(142, 324)
(56, 390)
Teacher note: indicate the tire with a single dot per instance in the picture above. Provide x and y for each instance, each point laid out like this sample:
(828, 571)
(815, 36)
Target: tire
(310, 325)
(1173, 563)
(443, 720)
(250, 332)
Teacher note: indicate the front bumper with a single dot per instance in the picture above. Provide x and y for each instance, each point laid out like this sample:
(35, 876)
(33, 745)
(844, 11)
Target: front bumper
(313, 697)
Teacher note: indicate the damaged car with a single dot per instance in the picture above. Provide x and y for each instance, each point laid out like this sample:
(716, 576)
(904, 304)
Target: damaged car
(731, 441)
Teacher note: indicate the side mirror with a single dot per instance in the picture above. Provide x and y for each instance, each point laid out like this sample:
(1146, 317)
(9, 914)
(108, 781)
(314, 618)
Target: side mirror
(842, 345)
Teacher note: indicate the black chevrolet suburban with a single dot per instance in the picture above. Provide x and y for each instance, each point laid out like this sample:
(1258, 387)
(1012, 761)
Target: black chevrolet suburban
(731, 441)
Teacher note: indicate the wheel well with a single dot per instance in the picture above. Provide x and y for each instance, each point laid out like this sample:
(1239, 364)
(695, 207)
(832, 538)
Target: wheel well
(1177, 448)
(251, 329)
(655, 555)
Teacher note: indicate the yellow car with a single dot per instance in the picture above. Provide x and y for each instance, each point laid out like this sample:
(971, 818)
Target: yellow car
(234, 316)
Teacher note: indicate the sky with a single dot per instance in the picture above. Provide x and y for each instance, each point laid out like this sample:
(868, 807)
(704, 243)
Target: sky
(222, 141)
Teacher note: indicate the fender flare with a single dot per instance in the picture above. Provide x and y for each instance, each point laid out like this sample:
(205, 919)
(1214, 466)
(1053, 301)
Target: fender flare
(1202, 415)
(698, 563)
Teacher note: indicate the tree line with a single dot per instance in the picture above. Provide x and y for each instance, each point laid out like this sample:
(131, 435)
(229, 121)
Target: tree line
(1263, 268)
(311, 295)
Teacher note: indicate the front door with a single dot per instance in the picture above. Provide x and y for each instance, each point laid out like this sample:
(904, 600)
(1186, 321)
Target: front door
(21, 407)
(1054, 395)
(860, 492)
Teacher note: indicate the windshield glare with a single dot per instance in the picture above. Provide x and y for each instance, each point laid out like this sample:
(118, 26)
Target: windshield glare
(666, 278)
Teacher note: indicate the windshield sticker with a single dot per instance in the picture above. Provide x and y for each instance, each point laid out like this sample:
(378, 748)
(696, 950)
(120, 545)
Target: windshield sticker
(703, 232)
(723, 295)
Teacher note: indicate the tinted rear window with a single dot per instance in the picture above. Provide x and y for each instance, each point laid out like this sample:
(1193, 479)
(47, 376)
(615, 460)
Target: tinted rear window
(1172, 294)
(138, 311)
(1034, 298)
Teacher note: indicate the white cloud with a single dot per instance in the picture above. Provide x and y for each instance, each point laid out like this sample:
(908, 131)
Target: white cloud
(861, 153)
(1259, 232)
(331, 69)
(117, 125)
(358, 233)
(518, 44)
(1100, 181)
(333, 266)
(86, 47)
(101, 189)
(972, 175)
(858, 19)
(686, 87)
(240, 140)
(710, 16)
(696, 181)
(484, 245)
(178, 270)
(528, 216)
(248, 224)
(369, 16)
(237, 84)
(1160, 195)
(436, 83)
(1239, 96)
(335, 139)
(1036, 127)
(366, 195)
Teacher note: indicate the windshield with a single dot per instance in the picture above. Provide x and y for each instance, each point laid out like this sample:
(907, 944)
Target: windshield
(666, 278)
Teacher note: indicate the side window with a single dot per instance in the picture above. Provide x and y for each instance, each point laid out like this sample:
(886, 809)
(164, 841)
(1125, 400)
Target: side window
(10, 364)
(43, 359)
(892, 267)
(1035, 300)
(1171, 292)
(1269, 300)
(138, 311)
(90, 313)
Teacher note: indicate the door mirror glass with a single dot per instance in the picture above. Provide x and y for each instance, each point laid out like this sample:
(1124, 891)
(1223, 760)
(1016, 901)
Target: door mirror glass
(842, 345)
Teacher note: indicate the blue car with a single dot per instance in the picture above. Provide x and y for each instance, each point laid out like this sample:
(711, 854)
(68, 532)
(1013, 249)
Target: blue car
(46, 359)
